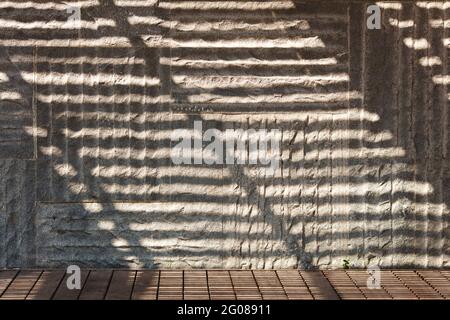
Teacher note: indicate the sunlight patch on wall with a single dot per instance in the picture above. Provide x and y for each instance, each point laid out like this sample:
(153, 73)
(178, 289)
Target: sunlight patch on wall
(442, 79)
(227, 5)
(401, 24)
(210, 82)
(416, 44)
(430, 61)
(69, 78)
(390, 5)
(135, 3)
(10, 95)
(216, 64)
(4, 77)
(58, 25)
(222, 26)
(48, 5)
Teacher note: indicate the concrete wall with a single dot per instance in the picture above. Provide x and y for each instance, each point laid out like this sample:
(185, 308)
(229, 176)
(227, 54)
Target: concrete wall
(86, 116)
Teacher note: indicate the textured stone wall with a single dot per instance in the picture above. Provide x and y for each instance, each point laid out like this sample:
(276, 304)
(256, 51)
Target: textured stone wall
(87, 110)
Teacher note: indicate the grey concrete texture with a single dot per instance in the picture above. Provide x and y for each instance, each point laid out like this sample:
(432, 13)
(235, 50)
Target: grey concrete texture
(87, 110)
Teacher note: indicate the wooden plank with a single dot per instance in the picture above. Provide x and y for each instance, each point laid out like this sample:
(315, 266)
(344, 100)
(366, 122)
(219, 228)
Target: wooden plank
(445, 289)
(96, 285)
(269, 285)
(6, 277)
(121, 285)
(352, 284)
(319, 286)
(64, 293)
(22, 285)
(436, 280)
(375, 293)
(170, 285)
(394, 287)
(294, 285)
(220, 285)
(195, 285)
(343, 285)
(360, 277)
(146, 285)
(418, 286)
(224, 285)
(245, 285)
(46, 286)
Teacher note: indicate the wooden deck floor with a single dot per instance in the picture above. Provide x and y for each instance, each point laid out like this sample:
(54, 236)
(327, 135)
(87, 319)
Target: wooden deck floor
(223, 285)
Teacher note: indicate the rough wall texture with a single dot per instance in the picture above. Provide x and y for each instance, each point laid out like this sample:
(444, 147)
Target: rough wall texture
(86, 113)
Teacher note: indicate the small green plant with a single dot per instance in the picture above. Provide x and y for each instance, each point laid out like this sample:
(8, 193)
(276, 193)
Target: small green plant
(346, 264)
